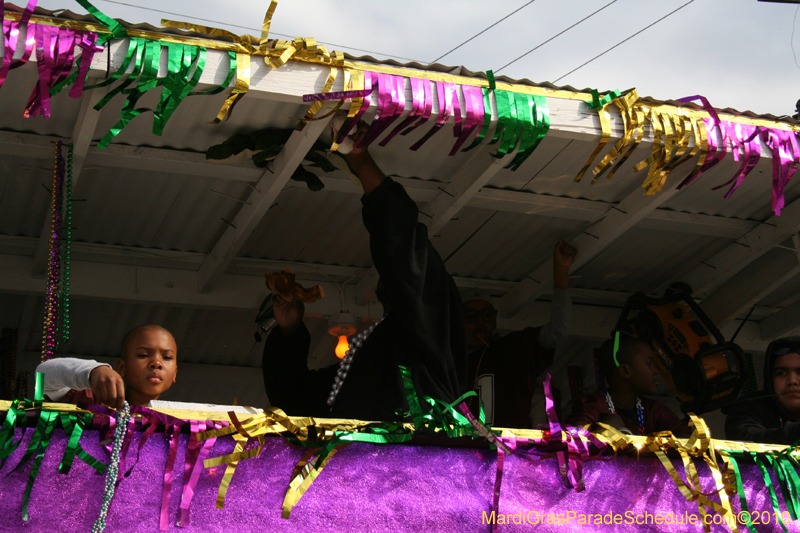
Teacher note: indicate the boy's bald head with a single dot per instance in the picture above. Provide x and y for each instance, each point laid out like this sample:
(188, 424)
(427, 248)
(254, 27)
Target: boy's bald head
(129, 337)
(147, 363)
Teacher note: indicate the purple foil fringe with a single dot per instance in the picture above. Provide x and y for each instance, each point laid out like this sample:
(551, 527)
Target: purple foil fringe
(367, 487)
(782, 143)
(391, 104)
(55, 52)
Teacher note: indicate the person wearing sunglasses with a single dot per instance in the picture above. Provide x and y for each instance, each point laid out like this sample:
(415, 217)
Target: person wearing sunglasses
(502, 370)
(771, 416)
(627, 366)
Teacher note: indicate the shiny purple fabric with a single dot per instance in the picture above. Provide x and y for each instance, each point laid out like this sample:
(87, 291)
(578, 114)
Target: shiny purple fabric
(365, 487)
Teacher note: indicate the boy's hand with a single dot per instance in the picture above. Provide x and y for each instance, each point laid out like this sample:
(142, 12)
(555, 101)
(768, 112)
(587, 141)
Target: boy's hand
(563, 254)
(108, 387)
(361, 132)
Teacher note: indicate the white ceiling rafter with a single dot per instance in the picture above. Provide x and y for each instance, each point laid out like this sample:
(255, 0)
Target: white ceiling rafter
(595, 238)
(82, 134)
(750, 285)
(195, 164)
(716, 271)
(782, 323)
(261, 198)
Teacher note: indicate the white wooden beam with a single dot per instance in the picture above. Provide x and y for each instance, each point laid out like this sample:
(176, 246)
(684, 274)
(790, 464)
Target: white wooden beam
(784, 322)
(751, 285)
(166, 161)
(260, 200)
(180, 162)
(787, 320)
(597, 237)
(544, 205)
(476, 173)
(176, 286)
(82, 134)
(248, 266)
(716, 271)
(697, 224)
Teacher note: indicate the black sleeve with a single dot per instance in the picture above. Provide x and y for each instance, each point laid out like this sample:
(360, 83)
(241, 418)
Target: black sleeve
(422, 295)
(756, 421)
(289, 384)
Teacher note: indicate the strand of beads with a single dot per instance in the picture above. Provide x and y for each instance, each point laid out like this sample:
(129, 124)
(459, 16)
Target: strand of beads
(53, 268)
(344, 364)
(113, 469)
(640, 414)
(66, 249)
(639, 410)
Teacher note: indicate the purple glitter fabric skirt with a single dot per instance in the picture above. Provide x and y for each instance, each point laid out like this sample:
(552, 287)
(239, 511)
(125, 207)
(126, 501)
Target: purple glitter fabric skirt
(365, 487)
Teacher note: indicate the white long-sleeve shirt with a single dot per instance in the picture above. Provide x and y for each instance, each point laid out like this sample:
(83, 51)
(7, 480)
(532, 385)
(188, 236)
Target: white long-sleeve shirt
(66, 373)
(557, 330)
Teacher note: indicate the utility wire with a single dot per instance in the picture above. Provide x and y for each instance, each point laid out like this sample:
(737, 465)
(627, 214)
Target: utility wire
(257, 30)
(484, 31)
(791, 39)
(625, 40)
(554, 36)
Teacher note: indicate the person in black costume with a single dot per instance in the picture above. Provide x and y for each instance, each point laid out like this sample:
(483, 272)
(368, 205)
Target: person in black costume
(423, 327)
(773, 415)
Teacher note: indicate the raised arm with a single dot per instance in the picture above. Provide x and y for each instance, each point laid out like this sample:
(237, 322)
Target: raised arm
(557, 330)
(362, 163)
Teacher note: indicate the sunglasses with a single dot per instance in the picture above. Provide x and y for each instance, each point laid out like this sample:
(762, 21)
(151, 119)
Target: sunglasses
(786, 347)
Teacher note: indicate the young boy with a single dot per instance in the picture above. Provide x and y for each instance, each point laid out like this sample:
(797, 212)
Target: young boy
(773, 415)
(146, 369)
(629, 374)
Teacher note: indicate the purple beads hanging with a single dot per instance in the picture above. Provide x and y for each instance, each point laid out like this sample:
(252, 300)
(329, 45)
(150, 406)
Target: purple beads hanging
(49, 336)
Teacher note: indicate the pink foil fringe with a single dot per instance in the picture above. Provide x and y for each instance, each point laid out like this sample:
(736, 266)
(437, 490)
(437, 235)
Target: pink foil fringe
(55, 52)
(782, 143)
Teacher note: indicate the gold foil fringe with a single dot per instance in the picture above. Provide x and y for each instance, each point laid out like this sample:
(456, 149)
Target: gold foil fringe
(307, 50)
(673, 130)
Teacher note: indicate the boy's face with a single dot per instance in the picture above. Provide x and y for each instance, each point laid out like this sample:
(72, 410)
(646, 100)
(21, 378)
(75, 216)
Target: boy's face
(480, 321)
(786, 381)
(149, 365)
(642, 371)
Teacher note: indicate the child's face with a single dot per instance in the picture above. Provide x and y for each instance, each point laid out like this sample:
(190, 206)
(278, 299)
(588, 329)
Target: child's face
(149, 365)
(643, 373)
(786, 381)
(480, 321)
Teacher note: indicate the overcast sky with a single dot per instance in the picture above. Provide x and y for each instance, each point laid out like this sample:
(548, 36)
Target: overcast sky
(737, 53)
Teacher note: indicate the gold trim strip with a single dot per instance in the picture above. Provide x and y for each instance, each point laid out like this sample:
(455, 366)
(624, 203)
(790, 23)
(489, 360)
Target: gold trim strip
(383, 69)
(636, 440)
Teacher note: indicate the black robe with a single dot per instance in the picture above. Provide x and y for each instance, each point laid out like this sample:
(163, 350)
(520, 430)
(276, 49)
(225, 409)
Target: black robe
(424, 329)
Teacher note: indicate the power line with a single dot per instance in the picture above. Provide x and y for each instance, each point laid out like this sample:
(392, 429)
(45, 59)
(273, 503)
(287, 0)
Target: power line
(625, 40)
(257, 30)
(554, 36)
(791, 39)
(482, 32)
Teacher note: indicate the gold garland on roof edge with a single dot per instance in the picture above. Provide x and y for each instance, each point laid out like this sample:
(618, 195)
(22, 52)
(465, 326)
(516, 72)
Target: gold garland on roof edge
(307, 50)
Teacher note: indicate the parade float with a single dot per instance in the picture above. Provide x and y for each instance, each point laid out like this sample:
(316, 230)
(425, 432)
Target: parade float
(136, 117)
